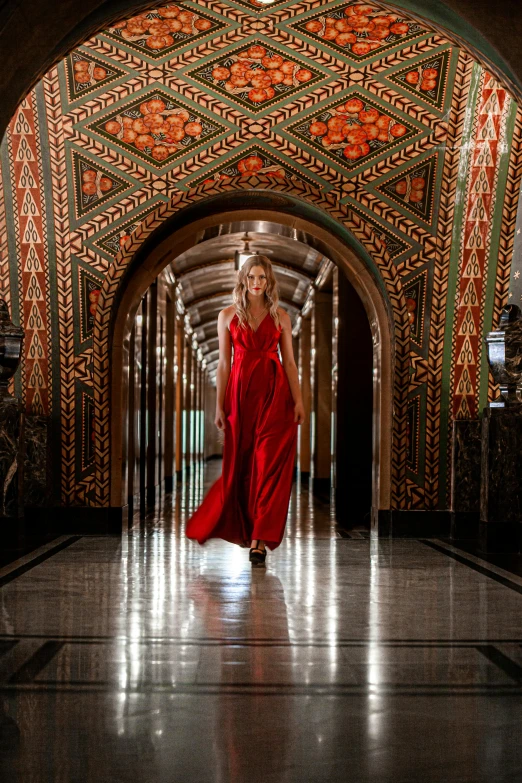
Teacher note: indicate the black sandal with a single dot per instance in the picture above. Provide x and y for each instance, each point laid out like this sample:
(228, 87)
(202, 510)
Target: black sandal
(257, 555)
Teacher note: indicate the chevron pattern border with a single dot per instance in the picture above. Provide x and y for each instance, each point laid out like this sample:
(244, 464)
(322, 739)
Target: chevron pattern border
(507, 233)
(64, 281)
(441, 273)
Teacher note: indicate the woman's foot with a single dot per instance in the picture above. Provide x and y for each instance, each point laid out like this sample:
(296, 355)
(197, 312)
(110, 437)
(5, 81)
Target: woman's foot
(257, 552)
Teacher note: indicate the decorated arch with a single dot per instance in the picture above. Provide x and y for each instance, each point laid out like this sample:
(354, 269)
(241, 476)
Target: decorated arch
(364, 112)
(324, 206)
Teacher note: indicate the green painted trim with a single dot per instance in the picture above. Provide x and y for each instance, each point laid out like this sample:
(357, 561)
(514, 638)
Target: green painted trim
(11, 246)
(460, 202)
(493, 249)
(54, 363)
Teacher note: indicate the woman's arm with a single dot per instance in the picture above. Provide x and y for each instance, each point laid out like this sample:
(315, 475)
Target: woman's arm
(287, 355)
(223, 367)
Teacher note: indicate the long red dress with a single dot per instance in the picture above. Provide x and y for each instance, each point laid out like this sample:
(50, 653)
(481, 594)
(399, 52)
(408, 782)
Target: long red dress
(250, 499)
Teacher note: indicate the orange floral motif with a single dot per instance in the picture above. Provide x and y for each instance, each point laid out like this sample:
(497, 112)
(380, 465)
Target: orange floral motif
(157, 127)
(249, 166)
(360, 28)
(85, 72)
(159, 29)
(256, 74)
(95, 184)
(411, 189)
(354, 129)
(94, 295)
(423, 79)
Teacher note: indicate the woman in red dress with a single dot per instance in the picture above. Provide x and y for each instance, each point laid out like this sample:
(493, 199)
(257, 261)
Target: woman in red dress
(259, 407)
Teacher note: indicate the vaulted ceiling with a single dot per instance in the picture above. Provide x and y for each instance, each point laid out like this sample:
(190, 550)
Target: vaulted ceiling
(207, 273)
(370, 105)
(495, 33)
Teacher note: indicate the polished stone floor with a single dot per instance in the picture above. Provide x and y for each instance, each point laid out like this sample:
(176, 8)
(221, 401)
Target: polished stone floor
(151, 659)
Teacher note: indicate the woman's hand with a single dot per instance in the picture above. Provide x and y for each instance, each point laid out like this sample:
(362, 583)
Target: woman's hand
(219, 421)
(299, 412)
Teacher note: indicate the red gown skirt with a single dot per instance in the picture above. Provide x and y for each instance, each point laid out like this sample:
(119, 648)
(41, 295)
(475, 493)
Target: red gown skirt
(250, 499)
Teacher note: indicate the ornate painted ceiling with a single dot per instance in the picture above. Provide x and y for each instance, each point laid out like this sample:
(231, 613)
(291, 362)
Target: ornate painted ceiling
(388, 117)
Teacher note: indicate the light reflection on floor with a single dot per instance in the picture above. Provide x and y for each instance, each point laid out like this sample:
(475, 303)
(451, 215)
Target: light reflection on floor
(151, 658)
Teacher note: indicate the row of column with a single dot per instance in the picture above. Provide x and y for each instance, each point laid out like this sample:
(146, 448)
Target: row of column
(334, 352)
(168, 391)
(314, 359)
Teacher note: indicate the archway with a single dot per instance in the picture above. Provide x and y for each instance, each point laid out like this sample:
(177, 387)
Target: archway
(351, 245)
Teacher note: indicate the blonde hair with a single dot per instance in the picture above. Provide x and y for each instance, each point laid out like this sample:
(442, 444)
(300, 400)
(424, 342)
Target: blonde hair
(239, 293)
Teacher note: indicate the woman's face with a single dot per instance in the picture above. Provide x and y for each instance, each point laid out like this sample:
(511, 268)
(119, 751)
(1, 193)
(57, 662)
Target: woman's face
(256, 281)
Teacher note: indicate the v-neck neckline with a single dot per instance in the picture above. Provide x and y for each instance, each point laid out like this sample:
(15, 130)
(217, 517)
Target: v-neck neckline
(255, 331)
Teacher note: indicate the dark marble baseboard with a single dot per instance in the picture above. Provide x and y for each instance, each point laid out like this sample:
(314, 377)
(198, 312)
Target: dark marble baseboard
(500, 537)
(465, 525)
(37, 473)
(465, 466)
(11, 459)
(83, 520)
(501, 486)
(411, 524)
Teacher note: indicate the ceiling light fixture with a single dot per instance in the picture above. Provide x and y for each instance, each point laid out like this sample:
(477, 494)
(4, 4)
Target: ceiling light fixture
(241, 257)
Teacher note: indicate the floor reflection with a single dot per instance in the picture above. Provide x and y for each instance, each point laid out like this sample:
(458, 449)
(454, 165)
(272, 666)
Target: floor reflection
(151, 658)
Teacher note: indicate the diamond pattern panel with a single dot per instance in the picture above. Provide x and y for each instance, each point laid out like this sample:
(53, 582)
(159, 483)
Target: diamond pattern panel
(426, 79)
(158, 33)
(414, 188)
(256, 76)
(354, 131)
(156, 128)
(359, 31)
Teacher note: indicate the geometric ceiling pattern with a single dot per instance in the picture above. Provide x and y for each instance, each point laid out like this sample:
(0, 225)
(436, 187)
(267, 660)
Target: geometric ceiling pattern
(351, 98)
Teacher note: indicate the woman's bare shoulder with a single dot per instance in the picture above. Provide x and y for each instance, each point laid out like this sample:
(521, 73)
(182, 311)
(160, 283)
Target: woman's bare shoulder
(284, 317)
(226, 315)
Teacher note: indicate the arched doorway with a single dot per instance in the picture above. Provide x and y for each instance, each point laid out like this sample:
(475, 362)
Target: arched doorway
(350, 245)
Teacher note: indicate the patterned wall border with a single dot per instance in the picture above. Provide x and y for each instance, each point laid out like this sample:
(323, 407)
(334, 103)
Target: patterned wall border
(485, 157)
(441, 269)
(64, 281)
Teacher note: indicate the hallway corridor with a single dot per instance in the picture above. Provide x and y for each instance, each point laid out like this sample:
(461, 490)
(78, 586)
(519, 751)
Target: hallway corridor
(150, 659)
